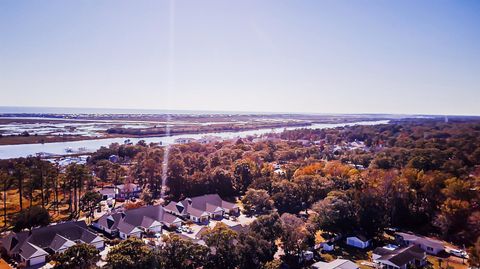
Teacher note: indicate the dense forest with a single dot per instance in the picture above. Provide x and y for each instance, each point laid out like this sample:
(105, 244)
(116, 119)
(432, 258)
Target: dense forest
(417, 175)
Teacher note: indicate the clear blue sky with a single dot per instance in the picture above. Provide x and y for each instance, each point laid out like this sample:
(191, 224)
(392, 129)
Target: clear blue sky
(332, 56)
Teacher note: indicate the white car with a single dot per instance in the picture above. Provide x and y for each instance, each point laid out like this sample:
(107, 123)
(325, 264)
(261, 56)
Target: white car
(459, 253)
(186, 229)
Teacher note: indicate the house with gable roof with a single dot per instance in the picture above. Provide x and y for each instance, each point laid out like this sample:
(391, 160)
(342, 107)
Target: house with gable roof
(358, 241)
(336, 264)
(33, 247)
(392, 257)
(200, 209)
(431, 246)
(134, 222)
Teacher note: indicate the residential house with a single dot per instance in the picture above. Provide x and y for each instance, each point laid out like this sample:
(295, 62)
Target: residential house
(276, 166)
(358, 241)
(193, 239)
(336, 264)
(128, 190)
(33, 247)
(327, 246)
(137, 221)
(306, 256)
(184, 140)
(202, 208)
(279, 171)
(392, 257)
(198, 234)
(109, 222)
(431, 246)
(304, 142)
(207, 139)
(113, 158)
(108, 192)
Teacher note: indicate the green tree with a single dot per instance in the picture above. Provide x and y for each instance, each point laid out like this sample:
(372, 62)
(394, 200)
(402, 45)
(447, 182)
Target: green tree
(253, 251)
(287, 197)
(474, 257)
(77, 175)
(89, 202)
(6, 182)
(130, 254)
(257, 202)
(267, 226)
(335, 213)
(147, 196)
(243, 172)
(181, 254)
(222, 182)
(79, 256)
(30, 218)
(294, 236)
(274, 264)
(221, 241)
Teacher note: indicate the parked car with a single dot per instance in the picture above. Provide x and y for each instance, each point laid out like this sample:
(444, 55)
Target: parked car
(459, 253)
(391, 230)
(187, 229)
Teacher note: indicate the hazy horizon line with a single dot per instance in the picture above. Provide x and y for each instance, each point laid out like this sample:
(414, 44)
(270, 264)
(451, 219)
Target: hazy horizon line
(116, 110)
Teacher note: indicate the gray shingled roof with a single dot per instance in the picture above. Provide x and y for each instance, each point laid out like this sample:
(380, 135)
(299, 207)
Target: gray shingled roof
(336, 264)
(50, 237)
(29, 250)
(158, 213)
(60, 241)
(400, 256)
(419, 239)
(197, 206)
(125, 227)
(110, 221)
(139, 217)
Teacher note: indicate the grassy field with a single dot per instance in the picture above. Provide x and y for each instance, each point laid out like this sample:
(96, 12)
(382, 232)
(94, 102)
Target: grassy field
(40, 139)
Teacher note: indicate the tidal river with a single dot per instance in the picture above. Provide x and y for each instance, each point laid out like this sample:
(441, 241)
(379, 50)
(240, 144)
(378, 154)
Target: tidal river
(88, 146)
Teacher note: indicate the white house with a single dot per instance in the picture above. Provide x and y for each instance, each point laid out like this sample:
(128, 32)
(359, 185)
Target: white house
(431, 246)
(32, 255)
(108, 192)
(202, 208)
(128, 190)
(327, 246)
(33, 247)
(184, 140)
(134, 222)
(126, 230)
(358, 241)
